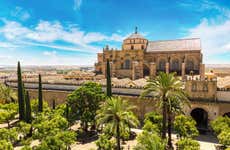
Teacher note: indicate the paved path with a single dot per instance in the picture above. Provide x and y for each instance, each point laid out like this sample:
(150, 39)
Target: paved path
(5, 125)
(207, 141)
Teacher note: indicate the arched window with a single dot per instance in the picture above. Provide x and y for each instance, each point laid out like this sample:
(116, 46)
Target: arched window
(127, 64)
(122, 65)
(175, 65)
(142, 46)
(194, 87)
(205, 88)
(132, 47)
(162, 65)
(190, 65)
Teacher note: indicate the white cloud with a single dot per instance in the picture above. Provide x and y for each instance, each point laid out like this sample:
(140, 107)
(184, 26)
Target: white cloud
(214, 32)
(48, 32)
(94, 37)
(50, 53)
(46, 58)
(13, 30)
(219, 13)
(5, 57)
(227, 46)
(20, 13)
(68, 48)
(7, 45)
(62, 60)
(215, 38)
(117, 37)
(77, 4)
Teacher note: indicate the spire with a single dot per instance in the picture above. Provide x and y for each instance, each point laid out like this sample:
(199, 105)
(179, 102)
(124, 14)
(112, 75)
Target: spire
(135, 30)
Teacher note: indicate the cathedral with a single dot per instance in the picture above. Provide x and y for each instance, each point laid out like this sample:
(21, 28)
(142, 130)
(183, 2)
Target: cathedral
(140, 57)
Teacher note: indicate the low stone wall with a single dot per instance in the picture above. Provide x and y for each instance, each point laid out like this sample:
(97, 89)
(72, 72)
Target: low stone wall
(223, 96)
(142, 106)
(49, 95)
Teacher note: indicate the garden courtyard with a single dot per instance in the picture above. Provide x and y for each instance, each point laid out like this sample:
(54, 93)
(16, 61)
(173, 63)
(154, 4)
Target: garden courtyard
(93, 119)
(206, 141)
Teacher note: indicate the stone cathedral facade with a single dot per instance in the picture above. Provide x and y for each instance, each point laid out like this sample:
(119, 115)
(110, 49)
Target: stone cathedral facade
(140, 57)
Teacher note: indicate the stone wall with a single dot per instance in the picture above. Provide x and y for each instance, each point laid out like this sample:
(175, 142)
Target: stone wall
(201, 90)
(49, 95)
(118, 58)
(223, 96)
(142, 106)
(180, 56)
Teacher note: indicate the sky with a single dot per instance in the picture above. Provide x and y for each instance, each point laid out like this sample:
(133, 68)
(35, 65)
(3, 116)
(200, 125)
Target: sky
(72, 32)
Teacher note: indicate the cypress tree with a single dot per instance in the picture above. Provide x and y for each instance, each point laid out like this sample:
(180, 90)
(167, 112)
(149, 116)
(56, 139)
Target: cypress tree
(40, 103)
(28, 108)
(67, 111)
(108, 80)
(54, 103)
(24, 101)
(21, 103)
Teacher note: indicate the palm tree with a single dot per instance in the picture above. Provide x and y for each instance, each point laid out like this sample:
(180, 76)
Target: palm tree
(116, 114)
(7, 94)
(166, 88)
(175, 103)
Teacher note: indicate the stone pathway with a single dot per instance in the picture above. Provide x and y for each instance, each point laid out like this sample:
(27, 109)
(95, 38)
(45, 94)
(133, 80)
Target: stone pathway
(5, 125)
(207, 141)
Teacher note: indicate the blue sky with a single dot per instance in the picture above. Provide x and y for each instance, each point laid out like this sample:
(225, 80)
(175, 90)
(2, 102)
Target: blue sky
(72, 32)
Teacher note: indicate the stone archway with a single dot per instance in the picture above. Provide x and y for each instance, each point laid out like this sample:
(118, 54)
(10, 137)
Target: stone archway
(201, 118)
(146, 70)
(227, 114)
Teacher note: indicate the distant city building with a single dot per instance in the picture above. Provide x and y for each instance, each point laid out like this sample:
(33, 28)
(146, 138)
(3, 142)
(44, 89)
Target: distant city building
(140, 57)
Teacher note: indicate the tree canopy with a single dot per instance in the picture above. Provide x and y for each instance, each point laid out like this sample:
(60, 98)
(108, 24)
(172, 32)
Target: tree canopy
(116, 114)
(188, 144)
(185, 126)
(7, 95)
(84, 102)
(167, 90)
(221, 126)
(8, 112)
(149, 141)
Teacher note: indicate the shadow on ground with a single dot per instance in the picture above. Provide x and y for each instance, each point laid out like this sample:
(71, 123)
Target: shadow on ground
(207, 137)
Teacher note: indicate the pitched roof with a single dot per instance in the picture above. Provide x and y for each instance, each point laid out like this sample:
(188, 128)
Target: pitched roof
(174, 45)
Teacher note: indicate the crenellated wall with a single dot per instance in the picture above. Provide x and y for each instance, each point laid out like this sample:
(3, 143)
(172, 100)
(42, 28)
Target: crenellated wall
(201, 90)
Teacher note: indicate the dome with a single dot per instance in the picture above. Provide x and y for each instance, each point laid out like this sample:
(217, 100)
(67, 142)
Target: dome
(135, 35)
(135, 42)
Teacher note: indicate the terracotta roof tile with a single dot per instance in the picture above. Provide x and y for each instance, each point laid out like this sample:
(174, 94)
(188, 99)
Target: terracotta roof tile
(174, 45)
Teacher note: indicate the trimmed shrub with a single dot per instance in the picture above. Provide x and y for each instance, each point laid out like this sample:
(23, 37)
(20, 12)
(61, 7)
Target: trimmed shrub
(188, 144)
(105, 143)
(224, 137)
